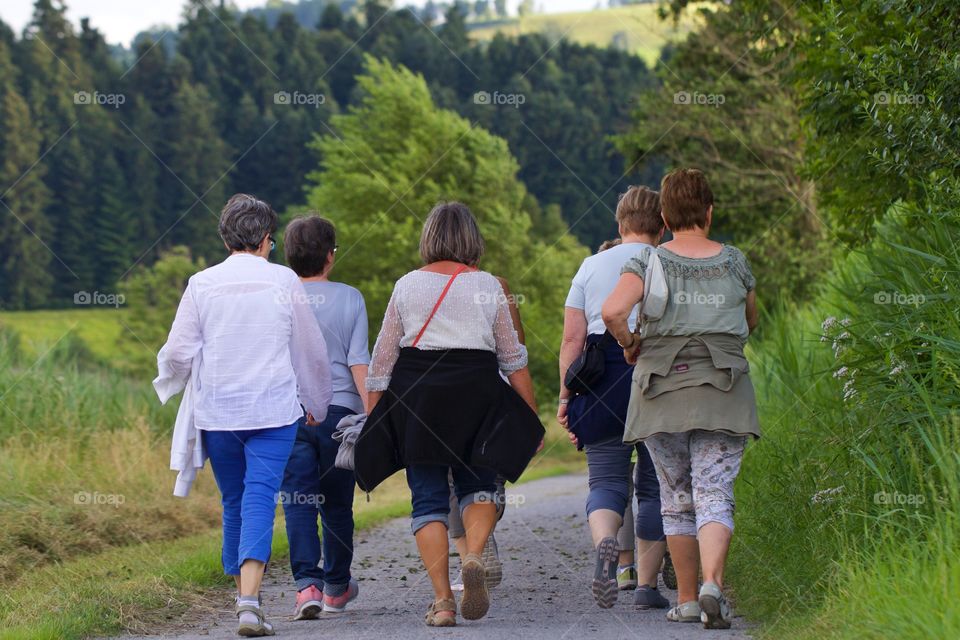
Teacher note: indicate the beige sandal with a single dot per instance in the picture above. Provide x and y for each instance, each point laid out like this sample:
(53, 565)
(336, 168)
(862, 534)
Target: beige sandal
(433, 617)
(476, 598)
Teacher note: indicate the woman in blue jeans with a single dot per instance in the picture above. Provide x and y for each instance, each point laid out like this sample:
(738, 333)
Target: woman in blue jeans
(440, 406)
(596, 419)
(313, 484)
(245, 334)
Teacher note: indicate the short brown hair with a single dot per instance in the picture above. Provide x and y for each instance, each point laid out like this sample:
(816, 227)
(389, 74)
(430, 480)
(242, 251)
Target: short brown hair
(451, 233)
(307, 244)
(686, 197)
(639, 211)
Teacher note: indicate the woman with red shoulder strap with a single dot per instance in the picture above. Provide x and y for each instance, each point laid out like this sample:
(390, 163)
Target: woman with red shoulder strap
(441, 407)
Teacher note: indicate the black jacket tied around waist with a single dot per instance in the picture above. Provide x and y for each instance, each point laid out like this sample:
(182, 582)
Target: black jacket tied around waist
(447, 407)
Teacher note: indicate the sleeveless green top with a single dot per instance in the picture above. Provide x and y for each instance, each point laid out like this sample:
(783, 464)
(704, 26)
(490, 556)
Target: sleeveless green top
(706, 295)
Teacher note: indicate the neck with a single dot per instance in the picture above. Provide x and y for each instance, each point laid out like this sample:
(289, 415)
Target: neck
(645, 238)
(248, 253)
(691, 233)
(323, 277)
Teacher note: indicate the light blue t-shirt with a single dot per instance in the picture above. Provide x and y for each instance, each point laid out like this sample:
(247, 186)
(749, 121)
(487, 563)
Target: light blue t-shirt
(342, 315)
(595, 281)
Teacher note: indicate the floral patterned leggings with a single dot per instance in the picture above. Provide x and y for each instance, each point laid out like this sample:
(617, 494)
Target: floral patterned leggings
(696, 470)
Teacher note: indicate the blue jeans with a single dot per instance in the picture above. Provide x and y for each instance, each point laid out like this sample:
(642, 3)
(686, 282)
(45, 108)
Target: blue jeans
(430, 491)
(312, 485)
(248, 467)
(608, 465)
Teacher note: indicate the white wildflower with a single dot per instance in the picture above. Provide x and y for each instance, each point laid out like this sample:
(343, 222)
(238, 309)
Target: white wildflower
(828, 324)
(848, 390)
(841, 372)
(825, 496)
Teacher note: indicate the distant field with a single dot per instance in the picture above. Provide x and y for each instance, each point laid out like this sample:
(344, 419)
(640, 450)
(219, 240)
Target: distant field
(636, 28)
(99, 329)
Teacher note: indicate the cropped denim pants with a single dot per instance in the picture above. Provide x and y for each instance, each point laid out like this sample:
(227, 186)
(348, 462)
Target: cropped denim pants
(430, 491)
(248, 467)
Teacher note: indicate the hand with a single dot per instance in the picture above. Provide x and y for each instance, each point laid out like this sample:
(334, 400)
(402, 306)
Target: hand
(311, 421)
(632, 354)
(562, 415)
(540, 446)
(574, 440)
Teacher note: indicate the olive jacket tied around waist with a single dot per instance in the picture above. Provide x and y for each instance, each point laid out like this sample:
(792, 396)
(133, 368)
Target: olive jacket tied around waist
(686, 383)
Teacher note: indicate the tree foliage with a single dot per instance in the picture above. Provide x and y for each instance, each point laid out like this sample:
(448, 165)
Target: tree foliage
(391, 158)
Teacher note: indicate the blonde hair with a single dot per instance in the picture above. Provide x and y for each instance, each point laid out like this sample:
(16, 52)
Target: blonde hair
(639, 211)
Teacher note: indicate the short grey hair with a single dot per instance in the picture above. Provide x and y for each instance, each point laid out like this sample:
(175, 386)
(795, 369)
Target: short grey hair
(451, 233)
(245, 221)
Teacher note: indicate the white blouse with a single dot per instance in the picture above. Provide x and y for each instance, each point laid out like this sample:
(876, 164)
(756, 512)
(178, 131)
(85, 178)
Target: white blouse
(474, 315)
(259, 341)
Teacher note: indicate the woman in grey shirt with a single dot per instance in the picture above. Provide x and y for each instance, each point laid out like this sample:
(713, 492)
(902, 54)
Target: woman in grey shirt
(692, 401)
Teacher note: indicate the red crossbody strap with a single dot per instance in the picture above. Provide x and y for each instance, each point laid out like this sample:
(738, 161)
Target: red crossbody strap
(443, 295)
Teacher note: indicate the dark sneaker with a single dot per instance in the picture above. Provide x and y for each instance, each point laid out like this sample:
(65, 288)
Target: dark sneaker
(337, 604)
(604, 586)
(669, 573)
(649, 598)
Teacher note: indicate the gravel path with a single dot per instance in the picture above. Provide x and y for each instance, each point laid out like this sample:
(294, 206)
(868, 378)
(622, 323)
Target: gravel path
(548, 564)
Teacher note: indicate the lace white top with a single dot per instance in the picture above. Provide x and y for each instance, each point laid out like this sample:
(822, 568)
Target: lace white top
(474, 315)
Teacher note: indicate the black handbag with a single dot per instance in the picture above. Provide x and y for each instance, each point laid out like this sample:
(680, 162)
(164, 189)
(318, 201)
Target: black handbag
(584, 372)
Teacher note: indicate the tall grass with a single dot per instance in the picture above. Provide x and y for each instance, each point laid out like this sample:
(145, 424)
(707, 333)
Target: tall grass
(848, 508)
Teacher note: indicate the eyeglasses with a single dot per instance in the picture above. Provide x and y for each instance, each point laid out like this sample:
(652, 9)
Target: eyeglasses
(335, 247)
(273, 243)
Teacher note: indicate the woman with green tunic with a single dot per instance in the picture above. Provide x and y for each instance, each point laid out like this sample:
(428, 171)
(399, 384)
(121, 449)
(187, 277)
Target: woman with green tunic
(692, 402)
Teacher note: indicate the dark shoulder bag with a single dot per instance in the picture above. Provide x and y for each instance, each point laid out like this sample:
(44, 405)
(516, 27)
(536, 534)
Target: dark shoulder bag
(585, 372)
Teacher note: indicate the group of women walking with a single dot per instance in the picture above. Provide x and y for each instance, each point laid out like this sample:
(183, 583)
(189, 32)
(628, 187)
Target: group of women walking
(275, 368)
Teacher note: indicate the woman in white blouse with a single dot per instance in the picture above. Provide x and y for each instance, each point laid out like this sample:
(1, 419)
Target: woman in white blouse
(246, 326)
(441, 406)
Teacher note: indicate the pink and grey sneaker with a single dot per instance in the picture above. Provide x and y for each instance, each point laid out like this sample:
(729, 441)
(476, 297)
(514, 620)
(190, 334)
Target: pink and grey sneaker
(309, 604)
(338, 604)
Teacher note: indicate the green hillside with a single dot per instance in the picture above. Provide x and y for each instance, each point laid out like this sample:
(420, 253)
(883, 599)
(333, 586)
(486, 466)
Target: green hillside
(637, 28)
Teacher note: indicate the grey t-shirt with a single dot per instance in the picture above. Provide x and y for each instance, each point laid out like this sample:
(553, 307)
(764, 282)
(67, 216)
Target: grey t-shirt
(342, 315)
(706, 295)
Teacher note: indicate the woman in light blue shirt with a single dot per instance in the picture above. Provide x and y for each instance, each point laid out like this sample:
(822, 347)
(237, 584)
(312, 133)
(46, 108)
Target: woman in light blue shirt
(312, 483)
(596, 419)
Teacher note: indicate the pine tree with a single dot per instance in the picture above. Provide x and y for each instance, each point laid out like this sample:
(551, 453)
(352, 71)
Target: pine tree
(24, 232)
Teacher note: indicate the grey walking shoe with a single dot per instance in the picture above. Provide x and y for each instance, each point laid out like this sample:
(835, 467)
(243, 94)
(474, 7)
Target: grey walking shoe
(491, 562)
(256, 629)
(649, 598)
(686, 612)
(605, 589)
(716, 611)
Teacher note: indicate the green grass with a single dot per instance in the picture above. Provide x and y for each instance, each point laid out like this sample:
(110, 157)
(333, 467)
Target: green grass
(636, 28)
(100, 329)
(857, 411)
(155, 585)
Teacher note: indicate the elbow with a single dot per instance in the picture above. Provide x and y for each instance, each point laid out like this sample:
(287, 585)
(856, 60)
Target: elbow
(611, 316)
